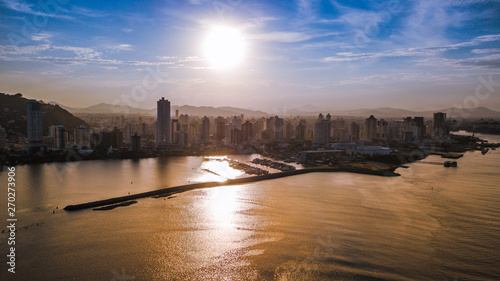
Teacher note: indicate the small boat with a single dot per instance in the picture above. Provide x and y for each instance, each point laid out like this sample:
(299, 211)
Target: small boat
(450, 164)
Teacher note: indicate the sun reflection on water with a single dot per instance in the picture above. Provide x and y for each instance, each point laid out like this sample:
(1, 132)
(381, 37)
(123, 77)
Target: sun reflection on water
(218, 167)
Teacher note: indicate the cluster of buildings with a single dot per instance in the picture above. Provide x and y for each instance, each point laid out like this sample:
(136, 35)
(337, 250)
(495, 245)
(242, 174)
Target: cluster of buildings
(170, 131)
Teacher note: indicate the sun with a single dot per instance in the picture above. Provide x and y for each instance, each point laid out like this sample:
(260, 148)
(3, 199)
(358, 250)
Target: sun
(224, 47)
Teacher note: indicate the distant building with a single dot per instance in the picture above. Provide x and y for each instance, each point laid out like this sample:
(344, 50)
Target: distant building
(182, 138)
(34, 119)
(353, 148)
(60, 137)
(116, 138)
(382, 129)
(247, 131)
(136, 143)
(419, 123)
(220, 124)
(322, 129)
(371, 128)
(164, 135)
(486, 126)
(288, 130)
(439, 126)
(276, 125)
(82, 136)
(354, 132)
(176, 126)
(300, 131)
(236, 137)
(205, 130)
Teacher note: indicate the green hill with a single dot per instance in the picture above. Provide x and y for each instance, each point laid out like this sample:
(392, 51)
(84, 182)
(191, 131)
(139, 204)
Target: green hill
(13, 115)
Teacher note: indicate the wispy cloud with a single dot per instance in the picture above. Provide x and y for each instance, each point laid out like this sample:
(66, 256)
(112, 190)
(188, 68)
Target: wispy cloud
(42, 36)
(417, 52)
(33, 9)
(486, 51)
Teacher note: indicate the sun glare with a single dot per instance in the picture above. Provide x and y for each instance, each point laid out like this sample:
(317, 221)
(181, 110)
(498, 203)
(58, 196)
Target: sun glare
(224, 47)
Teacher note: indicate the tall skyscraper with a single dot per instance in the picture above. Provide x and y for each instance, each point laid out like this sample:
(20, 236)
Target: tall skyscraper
(371, 127)
(34, 118)
(163, 122)
(205, 130)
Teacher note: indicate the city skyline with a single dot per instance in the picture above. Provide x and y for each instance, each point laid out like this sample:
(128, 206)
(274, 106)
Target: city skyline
(337, 54)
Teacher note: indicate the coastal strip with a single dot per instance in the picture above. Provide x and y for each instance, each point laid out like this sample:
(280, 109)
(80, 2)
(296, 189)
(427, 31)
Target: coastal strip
(188, 187)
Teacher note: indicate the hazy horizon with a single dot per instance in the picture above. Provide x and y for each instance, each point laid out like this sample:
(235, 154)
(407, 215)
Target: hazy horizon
(255, 55)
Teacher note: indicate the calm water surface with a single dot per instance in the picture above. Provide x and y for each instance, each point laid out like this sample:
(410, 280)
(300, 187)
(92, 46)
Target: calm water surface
(432, 223)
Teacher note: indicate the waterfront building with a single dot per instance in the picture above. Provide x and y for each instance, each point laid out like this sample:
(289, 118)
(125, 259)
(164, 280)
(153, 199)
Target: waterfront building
(164, 136)
(205, 130)
(34, 119)
(439, 126)
(176, 126)
(136, 142)
(82, 136)
(371, 128)
(60, 137)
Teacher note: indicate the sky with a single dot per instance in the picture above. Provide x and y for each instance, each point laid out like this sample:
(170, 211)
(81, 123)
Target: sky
(416, 55)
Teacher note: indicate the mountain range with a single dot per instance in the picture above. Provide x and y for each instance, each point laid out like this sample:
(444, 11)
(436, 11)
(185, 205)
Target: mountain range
(307, 110)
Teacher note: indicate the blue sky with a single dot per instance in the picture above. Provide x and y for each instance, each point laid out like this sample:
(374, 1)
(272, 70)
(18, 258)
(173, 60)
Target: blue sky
(416, 55)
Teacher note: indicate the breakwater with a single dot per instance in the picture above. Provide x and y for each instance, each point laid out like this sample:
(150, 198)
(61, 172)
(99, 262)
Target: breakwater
(188, 187)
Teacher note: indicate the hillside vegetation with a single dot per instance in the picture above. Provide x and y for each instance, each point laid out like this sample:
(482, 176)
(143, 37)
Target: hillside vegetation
(13, 115)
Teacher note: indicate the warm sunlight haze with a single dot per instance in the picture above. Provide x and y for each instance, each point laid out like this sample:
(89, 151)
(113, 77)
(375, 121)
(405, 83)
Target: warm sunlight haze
(224, 47)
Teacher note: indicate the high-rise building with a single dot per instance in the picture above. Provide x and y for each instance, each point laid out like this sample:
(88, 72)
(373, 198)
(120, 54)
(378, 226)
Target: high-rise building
(301, 130)
(136, 143)
(176, 126)
(205, 130)
(439, 126)
(247, 131)
(82, 136)
(60, 137)
(354, 132)
(322, 130)
(371, 127)
(116, 138)
(182, 138)
(236, 137)
(418, 122)
(382, 129)
(34, 118)
(220, 123)
(163, 122)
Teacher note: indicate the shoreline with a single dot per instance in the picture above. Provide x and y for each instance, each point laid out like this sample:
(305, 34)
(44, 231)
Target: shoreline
(188, 187)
